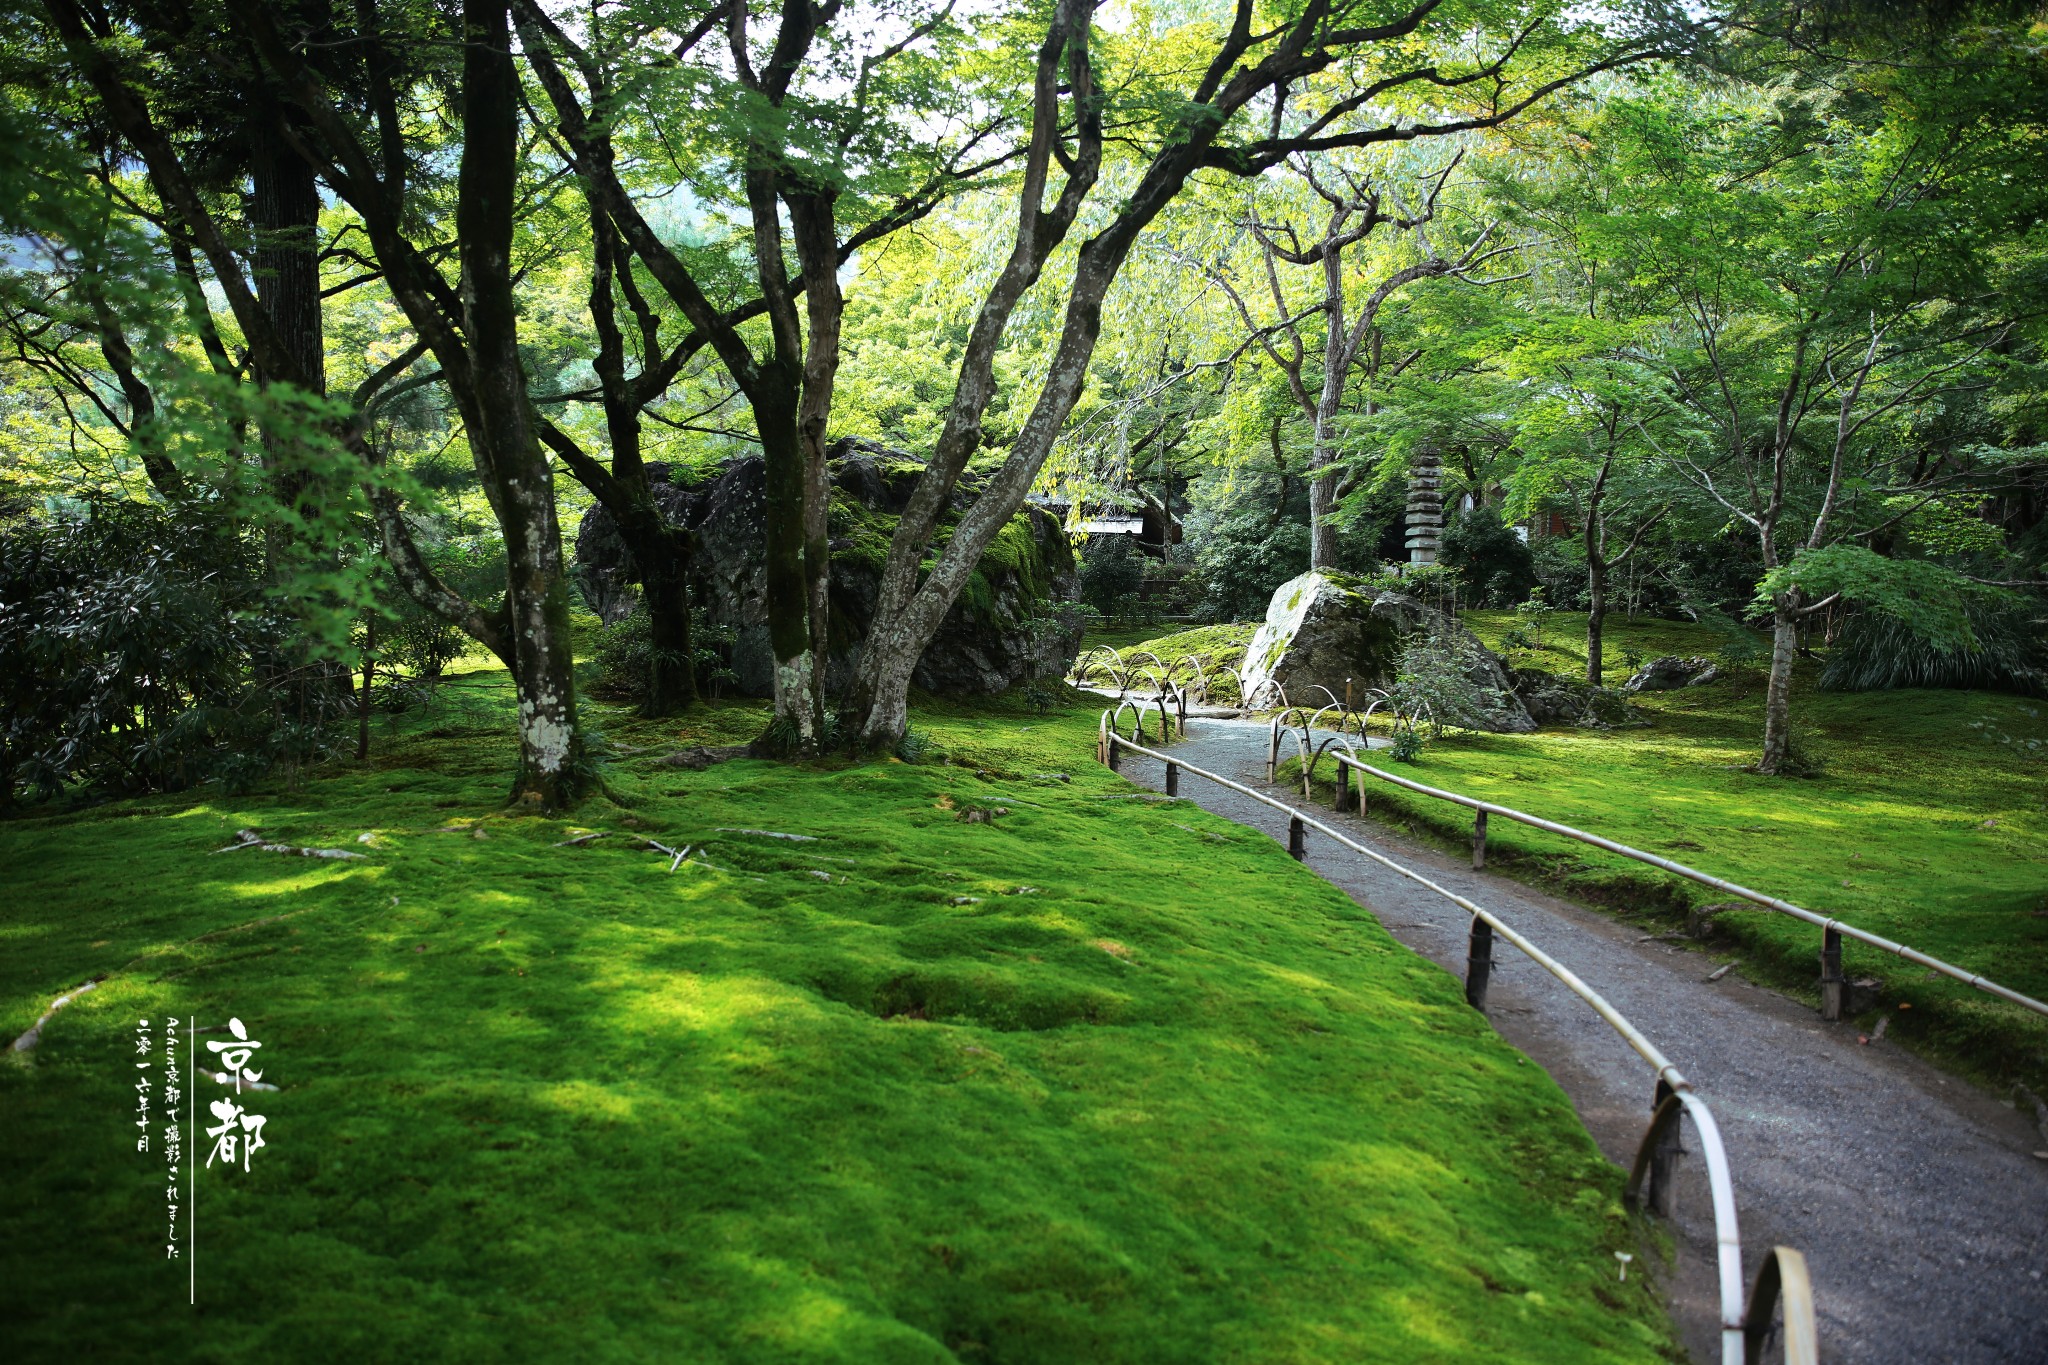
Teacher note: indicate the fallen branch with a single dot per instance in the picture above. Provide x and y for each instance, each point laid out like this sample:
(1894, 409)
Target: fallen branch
(249, 838)
(27, 1041)
(771, 834)
(583, 839)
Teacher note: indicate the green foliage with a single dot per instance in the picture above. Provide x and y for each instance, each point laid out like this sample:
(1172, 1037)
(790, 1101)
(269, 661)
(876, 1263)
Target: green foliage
(1407, 746)
(1110, 575)
(1493, 564)
(1876, 651)
(916, 745)
(142, 651)
(1927, 600)
(412, 638)
(1244, 560)
(1430, 685)
(1804, 756)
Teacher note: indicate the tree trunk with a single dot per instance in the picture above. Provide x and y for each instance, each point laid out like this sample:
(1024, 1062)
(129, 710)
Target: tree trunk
(1778, 695)
(1596, 619)
(788, 589)
(1322, 490)
(1595, 534)
(552, 771)
(664, 584)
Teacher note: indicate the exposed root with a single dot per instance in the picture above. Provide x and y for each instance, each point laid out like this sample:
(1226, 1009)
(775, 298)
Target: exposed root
(27, 1041)
(249, 838)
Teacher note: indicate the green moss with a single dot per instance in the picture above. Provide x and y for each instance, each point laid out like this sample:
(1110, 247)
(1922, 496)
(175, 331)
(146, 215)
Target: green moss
(1105, 1080)
(1014, 554)
(868, 530)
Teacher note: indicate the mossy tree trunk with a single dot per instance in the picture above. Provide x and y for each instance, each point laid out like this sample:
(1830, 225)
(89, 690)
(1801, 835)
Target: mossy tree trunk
(552, 769)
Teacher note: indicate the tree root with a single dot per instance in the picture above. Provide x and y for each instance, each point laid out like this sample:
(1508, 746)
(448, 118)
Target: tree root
(249, 838)
(27, 1041)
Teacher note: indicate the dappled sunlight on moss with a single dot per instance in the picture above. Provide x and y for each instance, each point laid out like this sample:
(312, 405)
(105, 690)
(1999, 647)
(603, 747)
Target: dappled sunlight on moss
(561, 1102)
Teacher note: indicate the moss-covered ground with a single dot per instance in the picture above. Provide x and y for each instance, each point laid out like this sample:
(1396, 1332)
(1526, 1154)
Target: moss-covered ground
(1095, 1078)
(1920, 828)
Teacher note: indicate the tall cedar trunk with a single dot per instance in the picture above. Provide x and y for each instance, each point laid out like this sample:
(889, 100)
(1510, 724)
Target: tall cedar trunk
(515, 473)
(1778, 694)
(284, 210)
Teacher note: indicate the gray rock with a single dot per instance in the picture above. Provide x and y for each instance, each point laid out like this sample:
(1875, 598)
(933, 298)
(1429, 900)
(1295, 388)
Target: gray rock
(1324, 628)
(987, 642)
(1320, 631)
(1669, 672)
(1553, 700)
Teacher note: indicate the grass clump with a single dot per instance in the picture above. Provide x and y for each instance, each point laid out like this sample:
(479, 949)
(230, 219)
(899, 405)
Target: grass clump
(1095, 1079)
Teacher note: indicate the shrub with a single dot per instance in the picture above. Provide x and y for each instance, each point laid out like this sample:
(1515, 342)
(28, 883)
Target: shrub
(1244, 561)
(1430, 683)
(1876, 652)
(422, 643)
(627, 657)
(1110, 575)
(1493, 565)
(1407, 745)
(1803, 756)
(143, 652)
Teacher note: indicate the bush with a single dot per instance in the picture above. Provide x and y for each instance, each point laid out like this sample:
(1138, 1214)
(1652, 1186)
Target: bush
(1407, 745)
(422, 643)
(141, 652)
(1493, 564)
(1244, 561)
(627, 658)
(1875, 653)
(1430, 683)
(1110, 575)
(1803, 756)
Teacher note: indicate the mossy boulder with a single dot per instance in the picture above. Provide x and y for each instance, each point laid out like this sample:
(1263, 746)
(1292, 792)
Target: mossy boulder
(1324, 629)
(990, 641)
(1319, 633)
(1554, 700)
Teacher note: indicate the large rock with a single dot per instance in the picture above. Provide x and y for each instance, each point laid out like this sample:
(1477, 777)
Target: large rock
(1324, 629)
(990, 641)
(1552, 700)
(1661, 675)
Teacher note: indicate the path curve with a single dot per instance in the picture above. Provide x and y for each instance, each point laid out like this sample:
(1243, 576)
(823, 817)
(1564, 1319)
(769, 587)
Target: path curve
(1917, 1200)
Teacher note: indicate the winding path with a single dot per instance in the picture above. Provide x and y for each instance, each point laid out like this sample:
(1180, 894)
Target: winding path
(1918, 1203)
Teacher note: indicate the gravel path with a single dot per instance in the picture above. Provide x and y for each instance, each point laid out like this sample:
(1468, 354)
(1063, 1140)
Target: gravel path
(1918, 1203)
